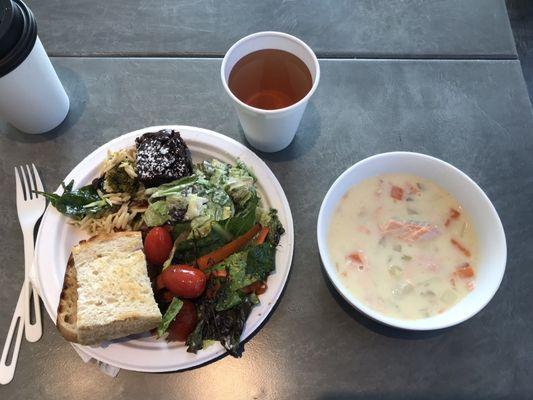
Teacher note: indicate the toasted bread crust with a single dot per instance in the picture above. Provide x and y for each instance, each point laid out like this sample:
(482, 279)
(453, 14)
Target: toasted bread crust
(105, 237)
(67, 309)
(127, 246)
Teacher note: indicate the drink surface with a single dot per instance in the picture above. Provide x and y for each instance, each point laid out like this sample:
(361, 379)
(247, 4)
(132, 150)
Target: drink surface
(270, 79)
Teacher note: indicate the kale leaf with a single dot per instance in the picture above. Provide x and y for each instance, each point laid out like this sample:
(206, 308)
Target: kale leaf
(275, 228)
(223, 326)
(77, 203)
(260, 261)
(227, 297)
(269, 218)
(195, 340)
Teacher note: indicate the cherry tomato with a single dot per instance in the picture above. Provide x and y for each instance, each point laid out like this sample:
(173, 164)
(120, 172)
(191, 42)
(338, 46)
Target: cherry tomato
(157, 245)
(184, 323)
(184, 281)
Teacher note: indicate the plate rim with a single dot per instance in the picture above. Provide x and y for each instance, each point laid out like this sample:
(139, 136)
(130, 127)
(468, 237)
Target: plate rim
(289, 228)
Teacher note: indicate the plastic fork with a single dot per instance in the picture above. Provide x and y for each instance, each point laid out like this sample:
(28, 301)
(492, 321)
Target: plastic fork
(30, 207)
(7, 371)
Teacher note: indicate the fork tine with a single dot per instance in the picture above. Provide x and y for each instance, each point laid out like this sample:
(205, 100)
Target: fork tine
(38, 182)
(27, 187)
(31, 181)
(20, 190)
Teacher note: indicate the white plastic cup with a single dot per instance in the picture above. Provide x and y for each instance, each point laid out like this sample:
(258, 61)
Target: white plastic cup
(32, 98)
(270, 130)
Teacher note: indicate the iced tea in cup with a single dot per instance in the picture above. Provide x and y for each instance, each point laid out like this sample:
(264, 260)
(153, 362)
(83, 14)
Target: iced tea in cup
(270, 77)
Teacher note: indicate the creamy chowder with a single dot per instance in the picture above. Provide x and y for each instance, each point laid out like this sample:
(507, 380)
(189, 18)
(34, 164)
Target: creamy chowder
(403, 246)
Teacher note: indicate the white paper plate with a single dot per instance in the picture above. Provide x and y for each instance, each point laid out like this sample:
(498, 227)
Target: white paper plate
(143, 353)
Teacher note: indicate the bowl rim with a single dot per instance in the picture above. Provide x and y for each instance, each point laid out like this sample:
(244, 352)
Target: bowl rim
(422, 324)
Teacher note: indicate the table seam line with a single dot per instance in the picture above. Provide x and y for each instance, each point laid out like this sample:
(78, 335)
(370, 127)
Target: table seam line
(319, 56)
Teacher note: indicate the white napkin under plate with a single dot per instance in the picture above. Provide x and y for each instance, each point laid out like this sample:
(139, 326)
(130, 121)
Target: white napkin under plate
(105, 368)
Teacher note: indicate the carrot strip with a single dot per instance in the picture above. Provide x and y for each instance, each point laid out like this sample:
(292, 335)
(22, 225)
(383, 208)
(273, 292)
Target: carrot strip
(227, 250)
(251, 288)
(262, 289)
(262, 235)
(396, 192)
(256, 287)
(219, 273)
(460, 247)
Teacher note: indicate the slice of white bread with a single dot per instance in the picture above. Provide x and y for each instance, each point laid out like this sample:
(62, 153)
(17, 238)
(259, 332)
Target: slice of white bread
(106, 291)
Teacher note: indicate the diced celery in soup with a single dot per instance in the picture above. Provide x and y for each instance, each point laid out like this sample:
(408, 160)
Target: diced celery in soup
(403, 246)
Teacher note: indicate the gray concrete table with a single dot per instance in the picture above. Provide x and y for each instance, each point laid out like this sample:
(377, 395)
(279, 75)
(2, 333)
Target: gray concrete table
(339, 28)
(521, 16)
(474, 114)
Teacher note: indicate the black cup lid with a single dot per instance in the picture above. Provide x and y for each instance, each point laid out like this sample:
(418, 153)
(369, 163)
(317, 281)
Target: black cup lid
(18, 32)
(11, 26)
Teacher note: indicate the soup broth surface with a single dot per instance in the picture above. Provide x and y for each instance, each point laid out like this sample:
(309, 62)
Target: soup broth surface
(403, 246)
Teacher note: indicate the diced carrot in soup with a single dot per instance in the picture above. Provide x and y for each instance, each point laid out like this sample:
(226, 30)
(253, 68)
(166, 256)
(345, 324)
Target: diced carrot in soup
(357, 259)
(396, 193)
(465, 271)
(454, 214)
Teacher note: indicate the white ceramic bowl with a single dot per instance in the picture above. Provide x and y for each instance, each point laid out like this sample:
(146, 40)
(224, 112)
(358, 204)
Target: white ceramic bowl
(493, 249)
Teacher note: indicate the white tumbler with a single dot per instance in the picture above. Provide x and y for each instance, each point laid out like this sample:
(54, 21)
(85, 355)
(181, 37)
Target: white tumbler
(270, 130)
(32, 98)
